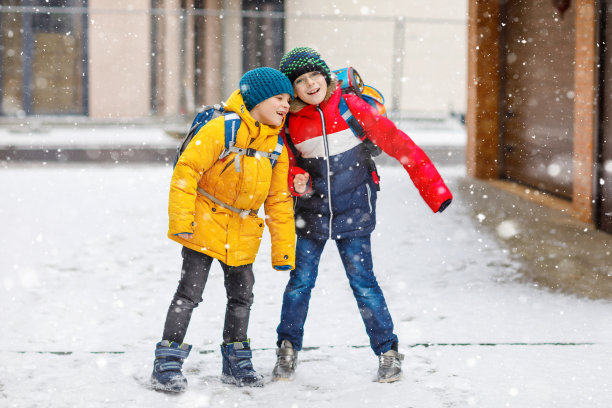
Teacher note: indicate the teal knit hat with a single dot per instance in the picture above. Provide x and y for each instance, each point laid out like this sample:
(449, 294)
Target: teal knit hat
(260, 84)
(301, 60)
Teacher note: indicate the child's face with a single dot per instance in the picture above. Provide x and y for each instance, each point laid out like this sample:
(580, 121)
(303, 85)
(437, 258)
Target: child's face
(310, 87)
(273, 110)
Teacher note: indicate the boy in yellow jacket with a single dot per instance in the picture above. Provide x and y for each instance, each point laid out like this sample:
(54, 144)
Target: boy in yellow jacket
(215, 195)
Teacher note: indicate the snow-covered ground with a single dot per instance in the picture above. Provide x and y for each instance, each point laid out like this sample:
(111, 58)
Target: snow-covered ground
(447, 132)
(86, 276)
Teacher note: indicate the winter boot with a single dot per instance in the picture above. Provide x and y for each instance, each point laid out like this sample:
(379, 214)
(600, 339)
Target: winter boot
(286, 362)
(237, 365)
(167, 375)
(390, 366)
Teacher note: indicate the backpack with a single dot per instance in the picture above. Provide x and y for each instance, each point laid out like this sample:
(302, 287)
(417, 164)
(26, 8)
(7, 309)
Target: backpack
(351, 82)
(232, 123)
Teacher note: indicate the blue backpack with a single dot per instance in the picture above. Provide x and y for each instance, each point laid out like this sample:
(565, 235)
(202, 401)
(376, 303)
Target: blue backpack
(351, 82)
(232, 123)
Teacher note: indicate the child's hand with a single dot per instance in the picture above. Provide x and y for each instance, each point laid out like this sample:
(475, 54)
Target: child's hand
(300, 182)
(185, 235)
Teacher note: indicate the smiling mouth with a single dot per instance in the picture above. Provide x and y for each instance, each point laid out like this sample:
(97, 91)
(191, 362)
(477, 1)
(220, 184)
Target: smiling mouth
(314, 91)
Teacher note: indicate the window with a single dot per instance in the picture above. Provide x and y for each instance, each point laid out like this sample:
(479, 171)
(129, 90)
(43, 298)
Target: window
(43, 69)
(263, 33)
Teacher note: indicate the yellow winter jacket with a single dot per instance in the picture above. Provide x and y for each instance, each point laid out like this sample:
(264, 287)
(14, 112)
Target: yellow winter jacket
(219, 232)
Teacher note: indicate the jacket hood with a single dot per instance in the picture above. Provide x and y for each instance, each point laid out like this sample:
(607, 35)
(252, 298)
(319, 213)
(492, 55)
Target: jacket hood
(235, 103)
(297, 104)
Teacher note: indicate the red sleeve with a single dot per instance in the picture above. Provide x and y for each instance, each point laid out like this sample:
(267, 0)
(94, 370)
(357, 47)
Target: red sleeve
(398, 145)
(294, 169)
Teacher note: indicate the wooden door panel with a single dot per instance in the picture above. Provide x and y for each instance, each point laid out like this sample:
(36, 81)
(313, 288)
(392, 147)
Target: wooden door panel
(537, 96)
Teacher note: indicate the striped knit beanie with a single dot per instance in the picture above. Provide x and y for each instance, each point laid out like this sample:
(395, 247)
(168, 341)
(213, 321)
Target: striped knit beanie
(260, 84)
(301, 60)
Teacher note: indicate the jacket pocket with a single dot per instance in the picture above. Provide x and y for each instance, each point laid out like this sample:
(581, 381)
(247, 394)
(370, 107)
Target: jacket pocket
(246, 244)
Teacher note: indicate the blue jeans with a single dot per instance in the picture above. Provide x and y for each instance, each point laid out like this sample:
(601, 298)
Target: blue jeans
(357, 259)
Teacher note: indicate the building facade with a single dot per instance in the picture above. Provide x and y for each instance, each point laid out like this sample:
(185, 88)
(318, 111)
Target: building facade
(118, 60)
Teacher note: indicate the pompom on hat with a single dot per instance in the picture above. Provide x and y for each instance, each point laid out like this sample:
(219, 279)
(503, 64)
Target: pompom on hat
(301, 60)
(259, 84)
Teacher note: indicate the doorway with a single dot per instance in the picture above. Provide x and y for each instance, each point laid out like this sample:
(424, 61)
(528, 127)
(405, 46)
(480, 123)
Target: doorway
(537, 96)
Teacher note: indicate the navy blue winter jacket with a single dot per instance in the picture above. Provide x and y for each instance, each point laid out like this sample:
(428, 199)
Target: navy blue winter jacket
(342, 201)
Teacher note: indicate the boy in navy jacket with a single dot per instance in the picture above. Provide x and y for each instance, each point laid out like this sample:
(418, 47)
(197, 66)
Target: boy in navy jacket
(334, 190)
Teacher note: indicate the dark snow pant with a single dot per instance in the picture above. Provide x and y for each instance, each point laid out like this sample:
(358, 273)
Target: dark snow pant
(356, 256)
(239, 282)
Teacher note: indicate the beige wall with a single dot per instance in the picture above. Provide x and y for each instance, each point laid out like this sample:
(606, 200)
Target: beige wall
(433, 78)
(231, 43)
(171, 63)
(213, 74)
(118, 59)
